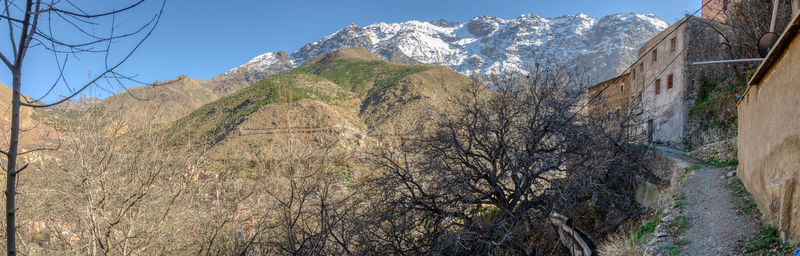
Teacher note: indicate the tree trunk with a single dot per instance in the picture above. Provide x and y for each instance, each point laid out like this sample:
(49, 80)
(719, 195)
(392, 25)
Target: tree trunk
(11, 169)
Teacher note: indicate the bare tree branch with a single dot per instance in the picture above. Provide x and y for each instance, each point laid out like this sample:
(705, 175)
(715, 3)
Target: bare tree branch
(84, 15)
(109, 69)
(6, 61)
(10, 33)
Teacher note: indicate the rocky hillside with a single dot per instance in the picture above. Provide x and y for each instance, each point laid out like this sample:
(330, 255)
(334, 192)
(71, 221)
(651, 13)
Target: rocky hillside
(603, 46)
(350, 95)
(81, 103)
(261, 67)
(159, 103)
(32, 123)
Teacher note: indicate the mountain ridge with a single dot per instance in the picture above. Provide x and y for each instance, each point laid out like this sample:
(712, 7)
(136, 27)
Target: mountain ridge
(483, 45)
(473, 48)
(349, 93)
(159, 103)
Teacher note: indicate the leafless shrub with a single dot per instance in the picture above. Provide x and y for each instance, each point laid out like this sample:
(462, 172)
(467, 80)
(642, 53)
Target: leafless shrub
(38, 27)
(105, 193)
(486, 177)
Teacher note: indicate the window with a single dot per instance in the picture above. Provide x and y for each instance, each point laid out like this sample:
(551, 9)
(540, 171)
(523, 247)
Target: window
(621, 87)
(725, 4)
(669, 81)
(658, 86)
(655, 55)
(633, 74)
(672, 43)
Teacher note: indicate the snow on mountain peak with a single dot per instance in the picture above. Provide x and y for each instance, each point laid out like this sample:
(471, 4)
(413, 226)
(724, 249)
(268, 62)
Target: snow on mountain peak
(484, 45)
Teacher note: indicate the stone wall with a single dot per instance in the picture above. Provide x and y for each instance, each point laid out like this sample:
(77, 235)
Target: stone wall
(710, 44)
(720, 152)
(769, 135)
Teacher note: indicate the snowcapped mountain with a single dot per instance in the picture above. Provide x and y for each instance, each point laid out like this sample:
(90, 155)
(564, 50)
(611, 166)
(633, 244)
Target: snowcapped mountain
(260, 67)
(602, 47)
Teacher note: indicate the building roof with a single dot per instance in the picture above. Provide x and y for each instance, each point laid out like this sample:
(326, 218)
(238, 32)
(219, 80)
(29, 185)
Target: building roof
(776, 53)
(610, 80)
(661, 36)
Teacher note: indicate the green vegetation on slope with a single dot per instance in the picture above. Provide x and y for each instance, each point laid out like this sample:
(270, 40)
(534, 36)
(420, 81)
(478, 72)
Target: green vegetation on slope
(353, 70)
(361, 77)
(646, 230)
(217, 118)
(59, 119)
(715, 106)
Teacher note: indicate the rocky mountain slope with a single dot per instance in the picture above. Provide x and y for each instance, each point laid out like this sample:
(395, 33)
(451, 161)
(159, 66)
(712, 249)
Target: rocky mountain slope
(33, 127)
(260, 67)
(601, 46)
(159, 103)
(349, 96)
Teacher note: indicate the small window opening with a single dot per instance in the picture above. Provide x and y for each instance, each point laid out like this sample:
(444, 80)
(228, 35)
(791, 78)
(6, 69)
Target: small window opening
(655, 55)
(672, 44)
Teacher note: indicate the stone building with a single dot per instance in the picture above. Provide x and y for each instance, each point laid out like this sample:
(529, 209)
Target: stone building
(667, 79)
(618, 99)
(769, 134)
(613, 94)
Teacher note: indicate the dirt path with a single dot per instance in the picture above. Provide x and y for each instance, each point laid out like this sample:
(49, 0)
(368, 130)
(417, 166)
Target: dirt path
(715, 226)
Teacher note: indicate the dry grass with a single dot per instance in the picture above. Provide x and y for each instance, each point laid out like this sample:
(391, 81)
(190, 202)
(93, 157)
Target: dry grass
(621, 243)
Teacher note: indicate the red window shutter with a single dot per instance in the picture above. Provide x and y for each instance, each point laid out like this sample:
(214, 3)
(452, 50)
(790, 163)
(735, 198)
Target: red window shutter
(669, 81)
(658, 86)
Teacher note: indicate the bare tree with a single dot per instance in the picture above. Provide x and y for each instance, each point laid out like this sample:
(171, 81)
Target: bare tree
(305, 183)
(115, 195)
(751, 20)
(486, 178)
(62, 29)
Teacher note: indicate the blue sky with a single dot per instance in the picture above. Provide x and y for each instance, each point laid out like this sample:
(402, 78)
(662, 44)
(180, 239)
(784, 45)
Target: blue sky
(202, 39)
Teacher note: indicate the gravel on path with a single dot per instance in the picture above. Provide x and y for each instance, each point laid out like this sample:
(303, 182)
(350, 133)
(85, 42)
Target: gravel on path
(715, 225)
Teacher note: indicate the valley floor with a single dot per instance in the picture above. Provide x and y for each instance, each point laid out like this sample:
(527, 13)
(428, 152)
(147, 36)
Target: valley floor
(715, 226)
